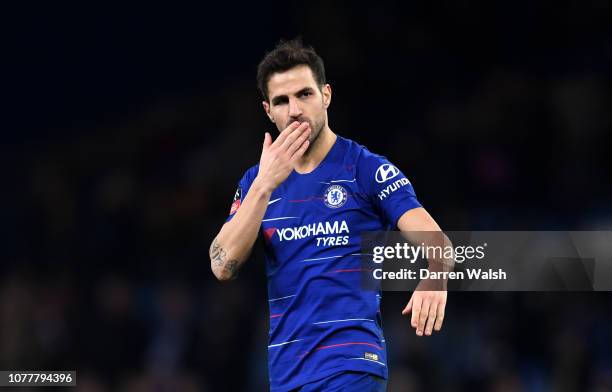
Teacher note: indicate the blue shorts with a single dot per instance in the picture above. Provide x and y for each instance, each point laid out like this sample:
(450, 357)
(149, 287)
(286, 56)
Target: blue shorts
(347, 381)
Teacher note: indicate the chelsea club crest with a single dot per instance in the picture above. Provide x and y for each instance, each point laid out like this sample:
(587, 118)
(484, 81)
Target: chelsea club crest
(335, 196)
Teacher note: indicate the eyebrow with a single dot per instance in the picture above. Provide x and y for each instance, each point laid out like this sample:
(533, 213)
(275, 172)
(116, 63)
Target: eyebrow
(279, 98)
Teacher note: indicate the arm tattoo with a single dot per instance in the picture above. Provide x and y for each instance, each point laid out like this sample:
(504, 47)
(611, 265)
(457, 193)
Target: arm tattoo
(232, 267)
(217, 254)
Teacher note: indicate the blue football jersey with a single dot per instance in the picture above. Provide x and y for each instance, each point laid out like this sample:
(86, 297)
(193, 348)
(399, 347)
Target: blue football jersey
(322, 320)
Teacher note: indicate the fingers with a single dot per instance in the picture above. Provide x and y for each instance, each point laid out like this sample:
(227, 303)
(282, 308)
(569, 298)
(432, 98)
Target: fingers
(286, 132)
(297, 143)
(440, 316)
(298, 154)
(423, 314)
(427, 311)
(431, 318)
(267, 141)
(276, 163)
(295, 134)
(408, 307)
(416, 310)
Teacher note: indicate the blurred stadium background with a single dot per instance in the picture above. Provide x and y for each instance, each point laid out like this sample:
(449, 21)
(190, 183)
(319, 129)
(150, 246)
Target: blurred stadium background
(127, 129)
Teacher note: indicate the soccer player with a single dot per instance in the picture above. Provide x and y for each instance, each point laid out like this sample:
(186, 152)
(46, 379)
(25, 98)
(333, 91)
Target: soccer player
(311, 195)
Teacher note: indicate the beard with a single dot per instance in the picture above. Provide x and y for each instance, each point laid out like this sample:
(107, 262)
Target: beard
(316, 129)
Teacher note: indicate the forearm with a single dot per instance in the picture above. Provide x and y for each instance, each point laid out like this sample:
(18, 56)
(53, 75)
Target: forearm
(441, 262)
(233, 245)
(420, 229)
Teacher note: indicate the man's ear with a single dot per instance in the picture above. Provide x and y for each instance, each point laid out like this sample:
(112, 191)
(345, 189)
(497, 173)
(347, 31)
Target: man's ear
(327, 93)
(266, 107)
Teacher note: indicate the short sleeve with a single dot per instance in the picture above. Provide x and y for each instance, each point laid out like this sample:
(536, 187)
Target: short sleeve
(386, 186)
(243, 188)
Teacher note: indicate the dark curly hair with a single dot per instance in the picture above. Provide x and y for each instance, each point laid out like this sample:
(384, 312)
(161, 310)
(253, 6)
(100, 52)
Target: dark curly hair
(285, 56)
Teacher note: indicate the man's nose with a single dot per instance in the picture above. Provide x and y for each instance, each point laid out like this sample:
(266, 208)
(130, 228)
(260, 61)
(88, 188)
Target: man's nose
(294, 109)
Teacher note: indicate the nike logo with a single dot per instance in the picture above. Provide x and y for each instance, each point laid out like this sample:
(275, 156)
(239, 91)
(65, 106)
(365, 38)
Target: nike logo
(274, 201)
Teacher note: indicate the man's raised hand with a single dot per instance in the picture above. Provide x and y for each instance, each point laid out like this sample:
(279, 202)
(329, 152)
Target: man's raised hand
(278, 158)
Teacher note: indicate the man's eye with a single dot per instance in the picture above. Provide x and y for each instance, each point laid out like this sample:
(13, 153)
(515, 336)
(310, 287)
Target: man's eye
(305, 94)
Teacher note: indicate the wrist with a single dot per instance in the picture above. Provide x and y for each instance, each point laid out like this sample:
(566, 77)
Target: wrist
(260, 188)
